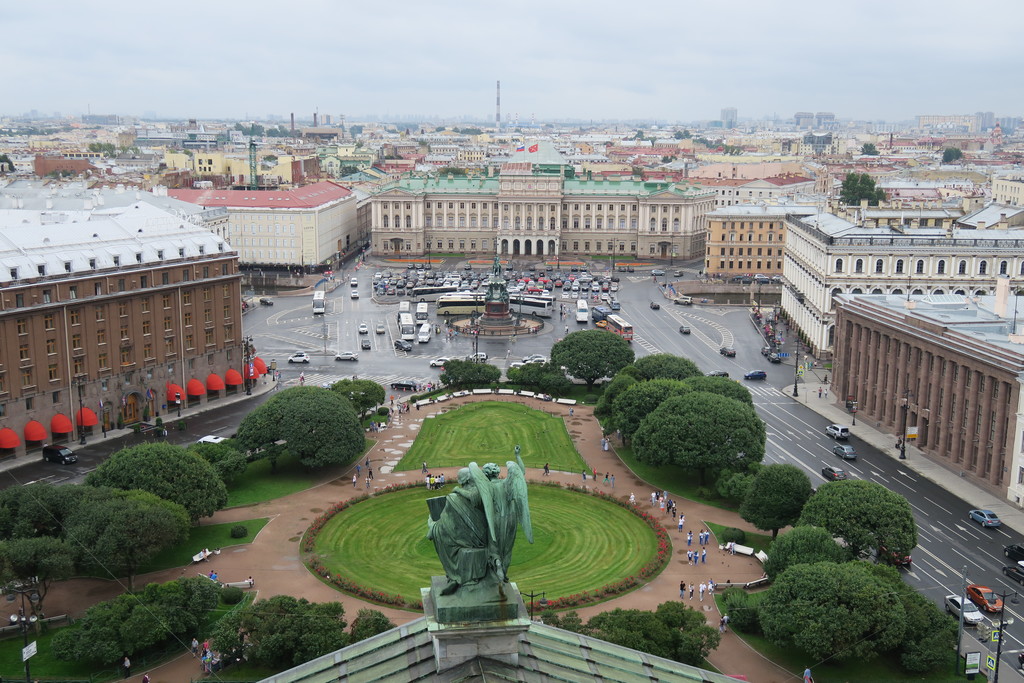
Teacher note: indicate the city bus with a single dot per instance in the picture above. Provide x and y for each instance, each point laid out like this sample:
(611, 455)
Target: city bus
(467, 303)
(407, 327)
(598, 313)
(319, 302)
(431, 292)
(582, 311)
(403, 307)
(421, 312)
(540, 305)
(619, 327)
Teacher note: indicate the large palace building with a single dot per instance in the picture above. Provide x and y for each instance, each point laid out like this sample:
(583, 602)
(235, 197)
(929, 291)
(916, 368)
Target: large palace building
(535, 207)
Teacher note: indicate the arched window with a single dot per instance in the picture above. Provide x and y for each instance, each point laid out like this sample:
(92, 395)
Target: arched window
(919, 268)
(941, 267)
(1003, 266)
(385, 219)
(529, 222)
(398, 221)
(654, 224)
(408, 221)
(856, 290)
(962, 268)
(876, 290)
(983, 268)
(675, 225)
(878, 266)
(518, 222)
(858, 266)
(899, 265)
(939, 291)
(981, 292)
(839, 265)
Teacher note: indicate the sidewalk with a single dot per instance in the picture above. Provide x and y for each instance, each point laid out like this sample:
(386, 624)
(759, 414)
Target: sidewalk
(273, 558)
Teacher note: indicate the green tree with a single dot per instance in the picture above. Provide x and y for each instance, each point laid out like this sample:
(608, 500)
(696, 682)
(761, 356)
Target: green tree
(869, 149)
(168, 471)
(722, 386)
(39, 561)
(776, 497)
(833, 611)
(123, 530)
(364, 394)
(858, 186)
(803, 545)
(951, 154)
(282, 631)
(735, 485)
(701, 432)
(639, 400)
(369, 622)
(666, 366)
(224, 456)
(866, 515)
(317, 425)
(451, 171)
(674, 631)
(622, 381)
(107, 149)
(930, 634)
(461, 373)
(570, 621)
(590, 355)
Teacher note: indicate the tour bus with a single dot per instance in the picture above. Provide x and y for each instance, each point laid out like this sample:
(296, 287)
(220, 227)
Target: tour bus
(319, 302)
(467, 303)
(582, 311)
(619, 327)
(431, 292)
(599, 313)
(403, 307)
(421, 312)
(542, 305)
(407, 327)
(424, 335)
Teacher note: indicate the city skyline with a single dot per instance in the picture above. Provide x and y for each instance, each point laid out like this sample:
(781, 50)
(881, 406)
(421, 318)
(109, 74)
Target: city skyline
(567, 61)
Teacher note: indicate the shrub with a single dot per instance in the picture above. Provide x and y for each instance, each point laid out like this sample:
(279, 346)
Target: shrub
(232, 595)
(239, 531)
(383, 411)
(735, 535)
(704, 493)
(742, 610)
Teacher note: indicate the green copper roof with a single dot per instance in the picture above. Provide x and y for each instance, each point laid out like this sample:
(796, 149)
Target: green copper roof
(570, 187)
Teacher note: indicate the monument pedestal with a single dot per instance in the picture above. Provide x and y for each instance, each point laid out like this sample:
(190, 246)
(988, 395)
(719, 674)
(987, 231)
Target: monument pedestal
(465, 627)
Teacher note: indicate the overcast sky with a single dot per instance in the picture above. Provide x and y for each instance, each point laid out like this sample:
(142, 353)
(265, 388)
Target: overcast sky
(556, 59)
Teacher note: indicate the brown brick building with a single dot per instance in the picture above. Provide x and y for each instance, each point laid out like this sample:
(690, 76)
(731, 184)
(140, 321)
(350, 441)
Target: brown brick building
(953, 364)
(106, 317)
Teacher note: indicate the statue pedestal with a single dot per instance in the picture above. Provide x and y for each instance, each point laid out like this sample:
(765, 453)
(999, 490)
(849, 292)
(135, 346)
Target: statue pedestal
(465, 626)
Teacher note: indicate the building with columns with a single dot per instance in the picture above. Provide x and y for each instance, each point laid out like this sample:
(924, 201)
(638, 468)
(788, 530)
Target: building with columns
(536, 207)
(946, 367)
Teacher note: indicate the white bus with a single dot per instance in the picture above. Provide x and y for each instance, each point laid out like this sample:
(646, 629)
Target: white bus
(319, 302)
(424, 334)
(431, 292)
(407, 327)
(466, 303)
(542, 305)
(421, 312)
(403, 307)
(582, 311)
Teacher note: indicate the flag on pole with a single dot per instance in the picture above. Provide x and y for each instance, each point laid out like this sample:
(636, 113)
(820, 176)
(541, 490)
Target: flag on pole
(521, 148)
(534, 148)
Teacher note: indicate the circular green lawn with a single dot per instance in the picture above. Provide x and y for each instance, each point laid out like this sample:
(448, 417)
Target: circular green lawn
(488, 431)
(580, 543)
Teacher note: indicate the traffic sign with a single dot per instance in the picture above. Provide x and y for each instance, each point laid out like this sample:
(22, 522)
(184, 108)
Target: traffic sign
(995, 635)
(990, 662)
(28, 651)
(783, 355)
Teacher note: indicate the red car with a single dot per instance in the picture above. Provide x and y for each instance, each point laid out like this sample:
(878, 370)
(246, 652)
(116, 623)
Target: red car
(984, 597)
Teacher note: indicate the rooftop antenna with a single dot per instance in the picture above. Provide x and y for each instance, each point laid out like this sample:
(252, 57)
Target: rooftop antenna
(253, 181)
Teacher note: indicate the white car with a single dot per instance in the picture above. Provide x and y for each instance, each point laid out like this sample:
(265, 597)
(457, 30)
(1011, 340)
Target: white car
(210, 438)
(478, 357)
(535, 358)
(299, 357)
(971, 614)
(346, 355)
(355, 294)
(364, 328)
(516, 364)
(439, 362)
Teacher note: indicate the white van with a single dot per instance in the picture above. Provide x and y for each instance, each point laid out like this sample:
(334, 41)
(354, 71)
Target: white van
(838, 431)
(424, 336)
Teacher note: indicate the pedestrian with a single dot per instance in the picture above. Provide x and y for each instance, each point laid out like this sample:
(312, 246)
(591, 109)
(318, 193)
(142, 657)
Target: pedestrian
(725, 622)
(703, 588)
(807, 675)
(195, 646)
(691, 591)
(367, 483)
(680, 524)
(355, 479)
(721, 625)
(584, 474)
(613, 481)
(819, 392)
(547, 470)
(689, 557)
(826, 392)
(689, 538)
(570, 412)
(682, 590)
(594, 471)
(145, 678)
(424, 470)
(367, 462)
(606, 479)
(632, 499)
(604, 445)
(126, 667)
(654, 498)
(704, 556)
(369, 472)
(358, 468)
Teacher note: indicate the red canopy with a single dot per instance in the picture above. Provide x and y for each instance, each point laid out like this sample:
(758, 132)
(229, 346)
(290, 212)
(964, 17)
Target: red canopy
(173, 389)
(248, 373)
(214, 382)
(8, 438)
(61, 424)
(35, 431)
(261, 367)
(195, 388)
(233, 377)
(86, 418)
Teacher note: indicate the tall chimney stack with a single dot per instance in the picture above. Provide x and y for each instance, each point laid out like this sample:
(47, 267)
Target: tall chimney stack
(293, 124)
(314, 119)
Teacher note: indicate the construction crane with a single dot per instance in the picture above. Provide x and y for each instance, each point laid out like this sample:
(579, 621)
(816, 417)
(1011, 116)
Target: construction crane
(253, 178)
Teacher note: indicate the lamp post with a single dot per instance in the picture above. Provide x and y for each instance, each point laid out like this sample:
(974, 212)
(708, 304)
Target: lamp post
(24, 621)
(796, 367)
(248, 370)
(81, 412)
(1003, 622)
(543, 601)
(903, 432)
(960, 630)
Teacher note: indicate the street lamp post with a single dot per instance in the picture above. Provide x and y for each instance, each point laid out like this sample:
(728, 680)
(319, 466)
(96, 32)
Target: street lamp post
(903, 432)
(796, 367)
(81, 413)
(24, 621)
(1003, 622)
(543, 602)
(247, 357)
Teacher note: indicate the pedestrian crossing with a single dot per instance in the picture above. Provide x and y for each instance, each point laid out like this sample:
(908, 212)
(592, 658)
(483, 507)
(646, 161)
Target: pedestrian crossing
(646, 345)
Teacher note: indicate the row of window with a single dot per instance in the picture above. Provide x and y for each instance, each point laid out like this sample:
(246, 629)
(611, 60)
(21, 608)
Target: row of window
(750, 237)
(920, 267)
(48, 294)
(387, 245)
(750, 251)
(41, 269)
(529, 207)
(748, 265)
(517, 223)
(257, 229)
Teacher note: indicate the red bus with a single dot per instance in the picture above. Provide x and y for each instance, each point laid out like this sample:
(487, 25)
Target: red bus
(619, 327)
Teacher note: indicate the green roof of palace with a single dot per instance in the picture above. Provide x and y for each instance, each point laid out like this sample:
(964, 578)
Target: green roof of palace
(571, 187)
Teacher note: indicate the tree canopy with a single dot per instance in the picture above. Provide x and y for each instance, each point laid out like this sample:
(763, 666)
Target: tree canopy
(40, 561)
(638, 400)
(722, 386)
(701, 431)
(619, 383)
(666, 366)
(866, 515)
(369, 622)
(803, 545)
(168, 471)
(858, 186)
(590, 355)
(951, 154)
(460, 373)
(363, 394)
(776, 497)
(224, 456)
(869, 149)
(547, 378)
(319, 426)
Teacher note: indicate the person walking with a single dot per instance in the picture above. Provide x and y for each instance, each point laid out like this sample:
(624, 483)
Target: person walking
(126, 667)
(355, 480)
(632, 499)
(584, 474)
(689, 538)
(725, 622)
(703, 588)
(807, 676)
(547, 470)
(691, 592)
(613, 481)
(605, 478)
(680, 524)
(704, 556)
(682, 590)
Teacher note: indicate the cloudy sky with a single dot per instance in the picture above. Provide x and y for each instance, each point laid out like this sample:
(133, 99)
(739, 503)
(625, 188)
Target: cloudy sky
(556, 59)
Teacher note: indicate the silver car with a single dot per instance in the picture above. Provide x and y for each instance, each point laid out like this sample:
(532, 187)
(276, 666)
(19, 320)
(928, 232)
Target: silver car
(955, 603)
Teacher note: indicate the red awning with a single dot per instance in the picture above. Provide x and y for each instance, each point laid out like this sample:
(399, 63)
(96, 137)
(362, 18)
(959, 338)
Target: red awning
(173, 389)
(233, 377)
(35, 431)
(214, 382)
(61, 424)
(86, 418)
(195, 388)
(261, 367)
(248, 373)
(9, 438)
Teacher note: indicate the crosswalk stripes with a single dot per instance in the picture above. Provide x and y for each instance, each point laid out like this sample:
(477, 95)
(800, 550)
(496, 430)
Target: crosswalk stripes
(648, 346)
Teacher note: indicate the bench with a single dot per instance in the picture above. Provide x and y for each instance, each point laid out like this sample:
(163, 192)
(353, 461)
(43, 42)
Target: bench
(204, 555)
(566, 401)
(239, 584)
(477, 392)
(740, 550)
(506, 392)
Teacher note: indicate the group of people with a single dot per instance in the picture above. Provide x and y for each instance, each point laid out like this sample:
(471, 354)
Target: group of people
(210, 661)
(434, 482)
(662, 501)
(686, 593)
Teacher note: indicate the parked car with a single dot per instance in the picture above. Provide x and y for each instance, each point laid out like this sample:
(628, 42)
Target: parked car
(614, 305)
(955, 603)
(478, 357)
(838, 432)
(1014, 552)
(346, 355)
(404, 386)
(718, 373)
(986, 518)
(1015, 572)
(364, 328)
(299, 357)
(403, 345)
(212, 438)
(774, 358)
(984, 597)
(439, 362)
(845, 452)
(535, 358)
(833, 473)
(684, 329)
(894, 558)
(264, 301)
(365, 344)
(380, 329)
(655, 305)
(727, 351)
(756, 374)
(59, 454)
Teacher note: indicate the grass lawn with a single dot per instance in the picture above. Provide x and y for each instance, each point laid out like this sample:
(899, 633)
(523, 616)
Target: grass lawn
(672, 478)
(210, 536)
(755, 541)
(580, 543)
(488, 432)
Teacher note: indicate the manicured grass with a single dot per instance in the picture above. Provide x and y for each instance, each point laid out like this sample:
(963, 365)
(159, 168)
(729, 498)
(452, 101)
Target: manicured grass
(672, 478)
(755, 541)
(210, 536)
(580, 543)
(488, 432)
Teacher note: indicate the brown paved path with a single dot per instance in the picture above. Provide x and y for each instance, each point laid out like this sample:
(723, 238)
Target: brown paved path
(272, 559)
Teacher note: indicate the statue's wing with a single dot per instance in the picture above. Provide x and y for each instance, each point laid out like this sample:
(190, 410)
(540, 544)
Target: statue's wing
(515, 489)
(483, 485)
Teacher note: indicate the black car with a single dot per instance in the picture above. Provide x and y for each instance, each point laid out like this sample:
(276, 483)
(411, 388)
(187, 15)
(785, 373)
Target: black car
(1015, 572)
(655, 306)
(727, 351)
(404, 386)
(365, 344)
(774, 358)
(629, 269)
(403, 345)
(264, 301)
(59, 454)
(684, 329)
(1014, 552)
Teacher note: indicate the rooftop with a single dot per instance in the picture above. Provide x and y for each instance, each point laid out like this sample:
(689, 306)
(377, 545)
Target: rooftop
(305, 197)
